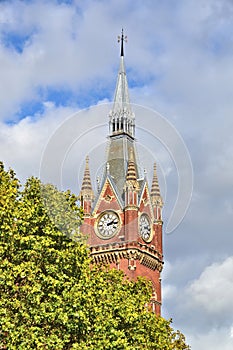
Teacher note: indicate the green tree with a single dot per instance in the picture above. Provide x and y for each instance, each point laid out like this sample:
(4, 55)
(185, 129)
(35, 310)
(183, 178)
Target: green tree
(51, 297)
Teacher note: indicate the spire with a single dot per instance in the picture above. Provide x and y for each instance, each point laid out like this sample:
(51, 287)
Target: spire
(121, 129)
(131, 172)
(86, 190)
(131, 187)
(121, 116)
(131, 175)
(155, 191)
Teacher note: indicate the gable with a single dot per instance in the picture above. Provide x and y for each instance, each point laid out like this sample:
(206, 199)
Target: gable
(108, 198)
(144, 202)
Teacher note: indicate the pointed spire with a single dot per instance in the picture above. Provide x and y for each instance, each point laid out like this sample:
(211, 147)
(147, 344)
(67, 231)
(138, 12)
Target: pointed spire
(86, 189)
(155, 191)
(131, 175)
(131, 172)
(121, 99)
(121, 116)
(131, 184)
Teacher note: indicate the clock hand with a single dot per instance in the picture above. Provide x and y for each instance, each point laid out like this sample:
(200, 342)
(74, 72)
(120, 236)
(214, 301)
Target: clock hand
(111, 222)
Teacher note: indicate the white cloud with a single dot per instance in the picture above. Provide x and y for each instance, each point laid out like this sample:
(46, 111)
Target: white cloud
(212, 292)
(202, 309)
(57, 53)
(22, 143)
(217, 339)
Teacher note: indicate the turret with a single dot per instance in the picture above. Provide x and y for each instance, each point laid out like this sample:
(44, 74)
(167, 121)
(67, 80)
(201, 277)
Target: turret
(131, 190)
(86, 195)
(157, 204)
(156, 198)
(131, 184)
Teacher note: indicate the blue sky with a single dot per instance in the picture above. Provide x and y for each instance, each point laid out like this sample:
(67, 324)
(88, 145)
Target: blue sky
(58, 57)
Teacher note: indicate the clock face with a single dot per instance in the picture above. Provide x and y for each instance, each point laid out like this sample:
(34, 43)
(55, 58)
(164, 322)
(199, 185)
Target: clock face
(145, 228)
(108, 224)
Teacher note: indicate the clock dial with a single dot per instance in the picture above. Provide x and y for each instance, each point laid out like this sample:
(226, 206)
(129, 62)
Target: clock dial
(108, 224)
(145, 228)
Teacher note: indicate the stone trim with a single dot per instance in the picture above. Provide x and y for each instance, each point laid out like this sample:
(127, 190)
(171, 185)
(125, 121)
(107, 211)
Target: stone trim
(113, 253)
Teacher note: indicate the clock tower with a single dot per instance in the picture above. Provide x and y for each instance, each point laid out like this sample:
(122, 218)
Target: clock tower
(123, 220)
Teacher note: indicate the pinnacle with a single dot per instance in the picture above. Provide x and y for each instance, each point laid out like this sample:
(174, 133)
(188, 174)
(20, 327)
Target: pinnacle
(155, 191)
(86, 184)
(131, 172)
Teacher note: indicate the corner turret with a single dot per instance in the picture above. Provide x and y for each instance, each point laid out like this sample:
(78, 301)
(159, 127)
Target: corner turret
(156, 199)
(86, 195)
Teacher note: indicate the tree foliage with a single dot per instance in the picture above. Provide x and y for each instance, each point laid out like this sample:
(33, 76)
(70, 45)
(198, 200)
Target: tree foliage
(51, 297)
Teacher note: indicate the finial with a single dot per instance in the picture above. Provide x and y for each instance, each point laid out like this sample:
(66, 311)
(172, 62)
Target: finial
(98, 183)
(86, 189)
(155, 191)
(121, 39)
(131, 172)
(107, 167)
